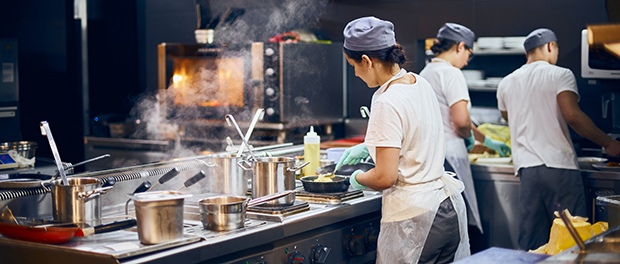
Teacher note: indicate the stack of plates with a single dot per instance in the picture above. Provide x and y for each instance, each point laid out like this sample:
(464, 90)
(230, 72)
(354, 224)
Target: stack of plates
(490, 43)
(514, 43)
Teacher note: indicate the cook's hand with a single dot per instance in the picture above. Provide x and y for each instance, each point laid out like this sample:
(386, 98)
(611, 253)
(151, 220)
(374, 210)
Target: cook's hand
(498, 146)
(353, 155)
(470, 141)
(356, 185)
(613, 148)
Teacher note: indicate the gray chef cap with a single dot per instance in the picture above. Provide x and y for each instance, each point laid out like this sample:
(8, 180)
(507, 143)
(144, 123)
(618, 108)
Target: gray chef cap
(458, 33)
(369, 34)
(539, 37)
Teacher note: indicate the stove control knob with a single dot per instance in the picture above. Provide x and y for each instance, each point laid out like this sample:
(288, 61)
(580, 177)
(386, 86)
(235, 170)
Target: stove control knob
(269, 51)
(355, 245)
(270, 111)
(270, 91)
(320, 254)
(371, 235)
(270, 72)
(296, 258)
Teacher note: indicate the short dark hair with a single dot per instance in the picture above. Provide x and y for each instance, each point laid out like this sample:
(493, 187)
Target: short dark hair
(388, 56)
(441, 45)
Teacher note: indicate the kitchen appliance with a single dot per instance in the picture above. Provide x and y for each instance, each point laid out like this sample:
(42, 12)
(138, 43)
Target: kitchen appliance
(272, 175)
(293, 82)
(9, 91)
(78, 201)
(596, 62)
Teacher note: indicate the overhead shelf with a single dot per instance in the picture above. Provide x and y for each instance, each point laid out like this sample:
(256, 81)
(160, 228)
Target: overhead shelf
(484, 52)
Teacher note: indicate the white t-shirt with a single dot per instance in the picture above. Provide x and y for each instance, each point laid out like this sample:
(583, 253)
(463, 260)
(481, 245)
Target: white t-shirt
(407, 116)
(450, 87)
(539, 133)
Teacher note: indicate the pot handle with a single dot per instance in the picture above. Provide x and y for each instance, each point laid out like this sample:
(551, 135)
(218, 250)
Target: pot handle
(298, 167)
(245, 165)
(94, 193)
(45, 187)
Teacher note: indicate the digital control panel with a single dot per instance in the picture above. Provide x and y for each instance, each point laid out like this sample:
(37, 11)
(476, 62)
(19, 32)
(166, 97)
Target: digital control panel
(7, 161)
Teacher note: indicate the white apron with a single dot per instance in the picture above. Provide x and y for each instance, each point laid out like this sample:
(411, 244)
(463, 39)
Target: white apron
(456, 155)
(408, 212)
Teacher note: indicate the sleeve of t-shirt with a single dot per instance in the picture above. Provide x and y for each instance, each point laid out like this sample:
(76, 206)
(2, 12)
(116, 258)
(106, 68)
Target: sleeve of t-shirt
(385, 129)
(500, 96)
(566, 82)
(455, 88)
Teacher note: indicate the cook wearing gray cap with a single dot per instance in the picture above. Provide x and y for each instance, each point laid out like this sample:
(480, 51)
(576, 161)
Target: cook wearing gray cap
(420, 223)
(540, 101)
(453, 48)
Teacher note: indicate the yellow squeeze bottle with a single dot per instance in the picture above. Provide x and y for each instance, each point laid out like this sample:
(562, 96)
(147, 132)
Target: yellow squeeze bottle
(312, 146)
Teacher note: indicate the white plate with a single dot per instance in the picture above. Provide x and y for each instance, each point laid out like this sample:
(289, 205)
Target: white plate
(506, 160)
(603, 167)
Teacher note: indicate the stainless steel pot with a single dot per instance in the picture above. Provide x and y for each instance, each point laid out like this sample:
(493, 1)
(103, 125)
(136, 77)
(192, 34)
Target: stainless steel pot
(78, 202)
(226, 177)
(223, 213)
(272, 175)
(159, 215)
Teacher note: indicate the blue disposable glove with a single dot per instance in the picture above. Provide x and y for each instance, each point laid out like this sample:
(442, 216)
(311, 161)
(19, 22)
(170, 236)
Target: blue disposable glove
(356, 185)
(353, 155)
(498, 146)
(470, 141)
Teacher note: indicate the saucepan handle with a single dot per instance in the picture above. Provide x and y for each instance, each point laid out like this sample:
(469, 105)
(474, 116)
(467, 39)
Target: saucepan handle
(245, 165)
(298, 167)
(94, 193)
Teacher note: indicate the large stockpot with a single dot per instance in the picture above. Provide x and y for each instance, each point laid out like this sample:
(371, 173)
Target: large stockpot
(77, 202)
(226, 177)
(272, 175)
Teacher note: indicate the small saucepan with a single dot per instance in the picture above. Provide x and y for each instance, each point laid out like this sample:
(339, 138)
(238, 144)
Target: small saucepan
(338, 184)
(225, 212)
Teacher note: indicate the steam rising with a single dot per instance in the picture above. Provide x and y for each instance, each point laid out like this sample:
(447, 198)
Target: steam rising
(262, 19)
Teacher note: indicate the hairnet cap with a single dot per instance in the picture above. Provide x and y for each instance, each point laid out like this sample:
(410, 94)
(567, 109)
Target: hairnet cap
(458, 33)
(539, 37)
(368, 34)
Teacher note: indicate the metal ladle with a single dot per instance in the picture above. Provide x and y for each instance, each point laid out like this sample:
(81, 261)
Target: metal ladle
(230, 119)
(46, 131)
(260, 113)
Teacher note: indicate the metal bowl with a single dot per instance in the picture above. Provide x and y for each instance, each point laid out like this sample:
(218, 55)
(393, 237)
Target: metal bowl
(25, 149)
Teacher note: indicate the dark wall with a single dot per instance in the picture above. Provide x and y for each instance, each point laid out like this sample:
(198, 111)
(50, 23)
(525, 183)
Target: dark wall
(48, 77)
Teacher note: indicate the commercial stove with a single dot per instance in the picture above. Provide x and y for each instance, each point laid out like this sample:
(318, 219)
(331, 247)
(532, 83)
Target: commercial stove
(329, 228)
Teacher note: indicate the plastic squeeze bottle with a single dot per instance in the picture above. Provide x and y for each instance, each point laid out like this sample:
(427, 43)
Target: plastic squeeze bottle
(312, 146)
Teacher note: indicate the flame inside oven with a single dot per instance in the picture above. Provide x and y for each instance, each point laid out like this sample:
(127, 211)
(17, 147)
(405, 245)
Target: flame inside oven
(208, 82)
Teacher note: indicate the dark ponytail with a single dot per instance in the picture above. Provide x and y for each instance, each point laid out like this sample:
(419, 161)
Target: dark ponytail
(440, 45)
(388, 56)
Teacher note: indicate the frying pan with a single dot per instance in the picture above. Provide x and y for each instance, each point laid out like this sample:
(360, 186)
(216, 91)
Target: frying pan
(338, 184)
(345, 170)
(58, 233)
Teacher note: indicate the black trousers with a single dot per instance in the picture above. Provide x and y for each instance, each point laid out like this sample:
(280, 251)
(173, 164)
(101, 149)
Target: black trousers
(542, 189)
(444, 236)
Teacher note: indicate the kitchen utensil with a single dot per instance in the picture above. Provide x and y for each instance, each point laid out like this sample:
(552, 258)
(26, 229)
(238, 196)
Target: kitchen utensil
(25, 149)
(69, 165)
(24, 180)
(50, 234)
(78, 201)
(229, 118)
(194, 179)
(571, 229)
(272, 175)
(46, 131)
(260, 113)
(168, 176)
(223, 213)
(346, 170)
(585, 163)
(159, 215)
(338, 184)
(227, 177)
(613, 208)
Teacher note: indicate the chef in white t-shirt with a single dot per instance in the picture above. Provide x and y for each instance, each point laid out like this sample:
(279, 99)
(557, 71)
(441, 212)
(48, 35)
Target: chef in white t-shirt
(423, 212)
(539, 100)
(453, 49)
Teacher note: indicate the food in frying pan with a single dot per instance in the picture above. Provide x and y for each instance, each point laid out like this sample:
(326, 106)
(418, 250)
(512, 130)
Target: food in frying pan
(325, 178)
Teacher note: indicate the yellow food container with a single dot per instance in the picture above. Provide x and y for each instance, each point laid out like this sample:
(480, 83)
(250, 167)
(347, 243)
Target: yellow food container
(560, 239)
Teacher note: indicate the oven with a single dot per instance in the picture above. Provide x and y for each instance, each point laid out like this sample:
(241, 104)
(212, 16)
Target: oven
(293, 82)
